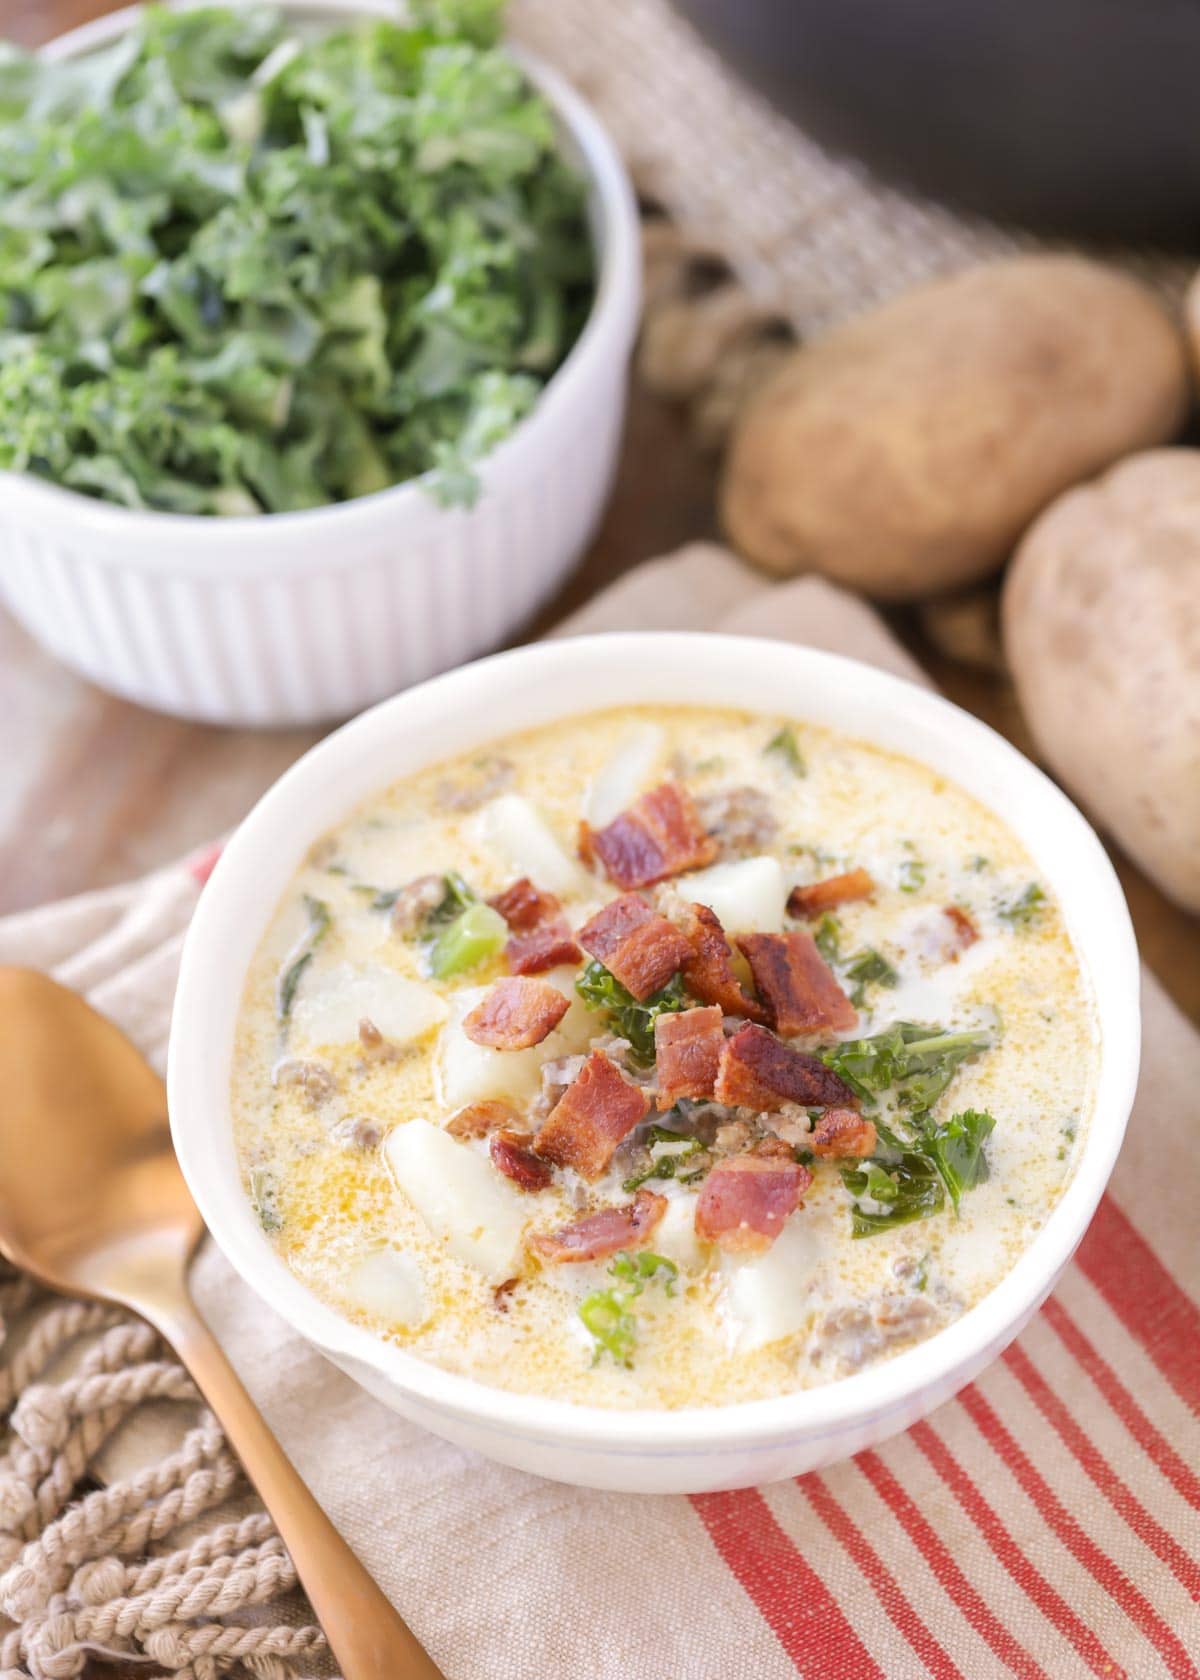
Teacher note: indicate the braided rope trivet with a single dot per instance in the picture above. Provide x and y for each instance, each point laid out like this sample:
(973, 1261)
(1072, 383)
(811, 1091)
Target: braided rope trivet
(88, 1570)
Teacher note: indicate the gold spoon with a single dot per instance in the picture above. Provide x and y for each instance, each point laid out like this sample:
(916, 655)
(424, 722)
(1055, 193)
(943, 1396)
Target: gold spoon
(92, 1202)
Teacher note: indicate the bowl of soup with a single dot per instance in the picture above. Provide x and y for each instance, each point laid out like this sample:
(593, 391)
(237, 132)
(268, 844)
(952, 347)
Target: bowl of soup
(661, 1062)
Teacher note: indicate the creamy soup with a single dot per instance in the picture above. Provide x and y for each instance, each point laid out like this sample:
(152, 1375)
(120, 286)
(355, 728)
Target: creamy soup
(662, 1057)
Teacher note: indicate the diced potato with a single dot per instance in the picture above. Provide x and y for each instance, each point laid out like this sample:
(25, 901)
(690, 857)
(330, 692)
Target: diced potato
(769, 1296)
(578, 1026)
(675, 1237)
(519, 833)
(468, 1072)
(461, 1197)
(389, 1285)
(747, 897)
(331, 1004)
(619, 782)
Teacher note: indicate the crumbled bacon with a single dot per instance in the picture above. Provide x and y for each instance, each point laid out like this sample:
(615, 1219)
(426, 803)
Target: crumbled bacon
(513, 1154)
(708, 972)
(965, 931)
(539, 937)
(659, 835)
(549, 945)
(744, 1202)
(597, 1110)
(640, 947)
(842, 1131)
(818, 897)
(687, 1051)
(599, 1235)
(480, 1118)
(797, 984)
(523, 905)
(516, 1014)
(758, 1071)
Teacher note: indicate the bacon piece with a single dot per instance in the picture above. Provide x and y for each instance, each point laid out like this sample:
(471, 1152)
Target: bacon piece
(744, 1202)
(965, 931)
(516, 1014)
(480, 1118)
(842, 1131)
(599, 1235)
(548, 945)
(635, 943)
(758, 1071)
(797, 984)
(523, 905)
(814, 900)
(539, 937)
(687, 1052)
(513, 1154)
(661, 834)
(708, 973)
(594, 1113)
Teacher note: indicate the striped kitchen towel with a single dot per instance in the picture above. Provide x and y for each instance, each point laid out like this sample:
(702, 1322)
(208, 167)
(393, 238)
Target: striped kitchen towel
(1045, 1523)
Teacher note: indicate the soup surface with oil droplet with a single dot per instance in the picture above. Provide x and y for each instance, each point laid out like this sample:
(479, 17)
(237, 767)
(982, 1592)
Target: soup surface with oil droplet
(853, 1092)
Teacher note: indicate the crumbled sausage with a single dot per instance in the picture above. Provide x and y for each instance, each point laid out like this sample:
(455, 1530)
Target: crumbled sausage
(739, 819)
(357, 1132)
(792, 1124)
(311, 1078)
(850, 1337)
(731, 1137)
(375, 1047)
(495, 775)
(415, 902)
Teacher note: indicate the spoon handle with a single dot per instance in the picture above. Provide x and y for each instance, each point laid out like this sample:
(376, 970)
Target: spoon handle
(365, 1634)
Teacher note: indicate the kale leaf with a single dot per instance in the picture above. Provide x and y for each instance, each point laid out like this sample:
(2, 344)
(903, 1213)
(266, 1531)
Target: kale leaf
(243, 271)
(602, 991)
(301, 954)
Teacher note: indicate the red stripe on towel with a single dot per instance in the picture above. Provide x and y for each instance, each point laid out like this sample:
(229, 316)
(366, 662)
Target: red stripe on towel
(201, 864)
(904, 1618)
(788, 1593)
(957, 1587)
(1119, 1262)
(1081, 1546)
(1151, 1439)
(1006, 1550)
(1122, 1498)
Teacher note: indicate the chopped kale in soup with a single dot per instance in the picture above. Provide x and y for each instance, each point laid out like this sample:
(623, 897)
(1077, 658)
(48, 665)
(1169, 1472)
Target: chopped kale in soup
(662, 1057)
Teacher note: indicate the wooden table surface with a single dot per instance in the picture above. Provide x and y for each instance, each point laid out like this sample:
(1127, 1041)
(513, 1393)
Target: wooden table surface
(95, 790)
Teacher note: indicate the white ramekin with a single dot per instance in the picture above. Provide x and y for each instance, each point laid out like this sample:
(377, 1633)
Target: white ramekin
(294, 618)
(690, 1450)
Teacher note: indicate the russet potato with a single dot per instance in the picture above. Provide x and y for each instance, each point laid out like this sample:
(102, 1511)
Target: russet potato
(1102, 631)
(906, 453)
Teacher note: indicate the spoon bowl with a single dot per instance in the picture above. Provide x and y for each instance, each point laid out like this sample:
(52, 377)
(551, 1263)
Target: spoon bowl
(92, 1202)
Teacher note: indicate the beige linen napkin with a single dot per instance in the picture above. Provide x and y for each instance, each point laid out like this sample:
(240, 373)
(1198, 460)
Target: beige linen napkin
(1044, 1523)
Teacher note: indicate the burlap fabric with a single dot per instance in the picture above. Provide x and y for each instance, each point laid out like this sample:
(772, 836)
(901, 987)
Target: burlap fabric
(813, 235)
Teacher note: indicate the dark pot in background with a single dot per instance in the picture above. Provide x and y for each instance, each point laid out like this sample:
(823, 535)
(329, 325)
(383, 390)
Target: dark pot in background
(1071, 115)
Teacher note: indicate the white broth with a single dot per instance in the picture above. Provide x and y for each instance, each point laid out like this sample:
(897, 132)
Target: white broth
(758, 1259)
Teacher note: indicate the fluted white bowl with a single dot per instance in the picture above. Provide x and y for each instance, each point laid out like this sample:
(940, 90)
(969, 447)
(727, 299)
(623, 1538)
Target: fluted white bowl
(694, 1449)
(298, 617)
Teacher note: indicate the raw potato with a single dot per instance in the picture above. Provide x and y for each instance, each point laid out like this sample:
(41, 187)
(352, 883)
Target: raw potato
(907, 452)
(1102, 631)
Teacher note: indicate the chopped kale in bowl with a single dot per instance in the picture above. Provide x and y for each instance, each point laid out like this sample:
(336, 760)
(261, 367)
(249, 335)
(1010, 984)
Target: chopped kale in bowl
(243, 272)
